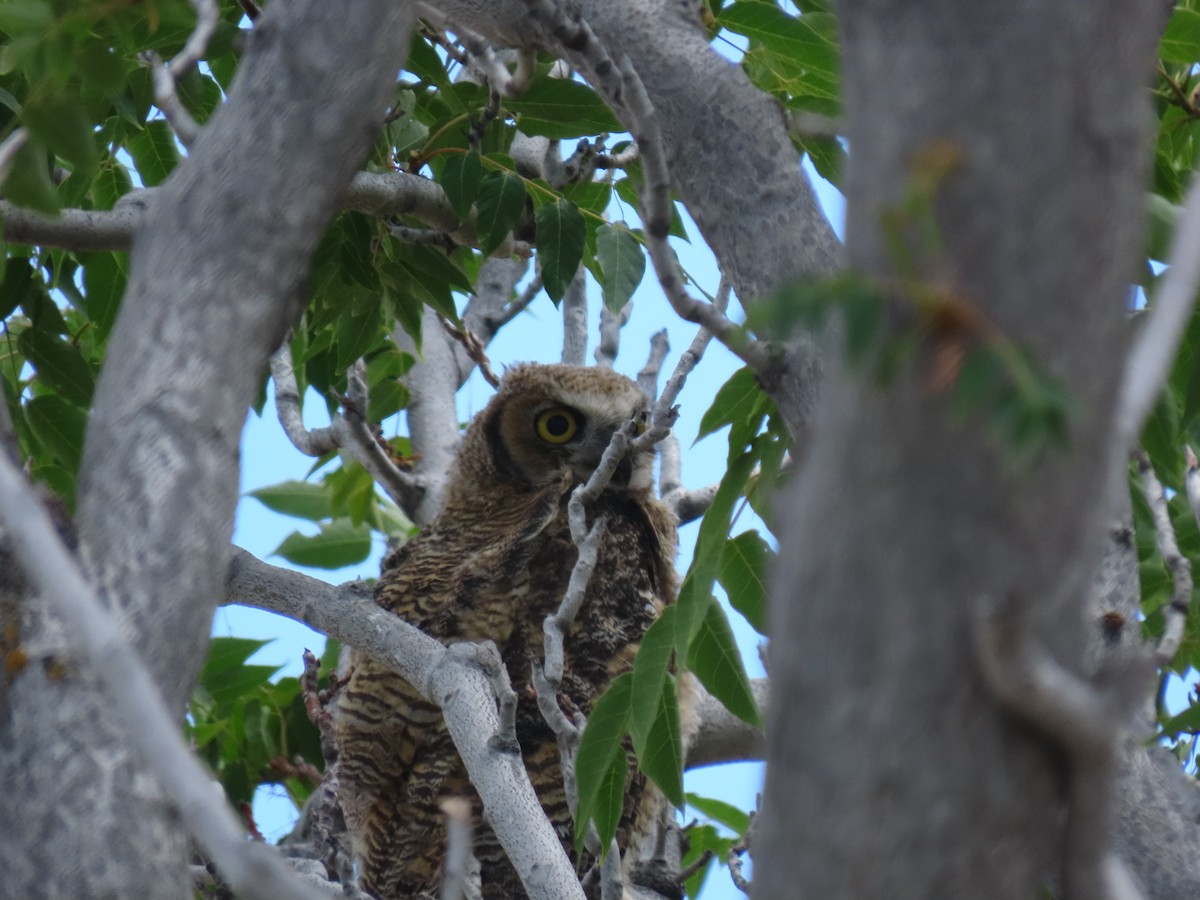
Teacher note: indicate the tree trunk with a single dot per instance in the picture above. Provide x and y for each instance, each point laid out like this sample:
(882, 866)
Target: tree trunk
(909, 779)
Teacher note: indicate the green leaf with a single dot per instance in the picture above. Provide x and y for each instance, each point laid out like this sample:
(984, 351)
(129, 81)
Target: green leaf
(744, 564)
(560, 234)
(735, 397)
(337, 545)
(695, 594)
(1163, 214)
(807, 41)
(599, 745)
(730, 816)
(17, 284)
(356, 334)
(60, 121)
(302, 499)
(561, 108)
(661, 755)
(714, 658)
(610, 800)
(1181, 41)
(59, 426)
(386, 399)
(28, 183)
(1186, 721)
(104, 276)
(154, 151)
(19, 17)
(112, 183)
(649, 672)
(234, 683)
(501, 202)
(59, 365)
(460, 179)
(225, 652)
(623, 262)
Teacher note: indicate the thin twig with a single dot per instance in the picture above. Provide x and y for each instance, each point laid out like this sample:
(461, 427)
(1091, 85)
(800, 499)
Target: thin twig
(647, 378)
(460, 867)
(474, 347)
(1176, 611)
(487, 657)
(251, 9)
(9, 149)
(249, 867)
(166, 77)
(617, 160)
(1191, 482)
(350, 430)
(734, 857)
(610, 334)
(656, 214)
(1153, 351)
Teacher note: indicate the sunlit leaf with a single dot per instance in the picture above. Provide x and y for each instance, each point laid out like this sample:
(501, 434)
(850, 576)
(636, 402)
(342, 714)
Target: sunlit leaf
(714, 658)
(336, 545)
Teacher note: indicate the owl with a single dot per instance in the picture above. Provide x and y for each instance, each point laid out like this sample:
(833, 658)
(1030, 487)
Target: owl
(492, 566)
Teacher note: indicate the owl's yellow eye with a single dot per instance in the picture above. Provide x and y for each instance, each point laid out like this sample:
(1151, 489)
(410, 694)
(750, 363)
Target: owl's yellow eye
(641, 423)
(557, 425)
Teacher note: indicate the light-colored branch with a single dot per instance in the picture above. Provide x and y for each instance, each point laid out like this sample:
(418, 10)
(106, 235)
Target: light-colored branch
(9, 148)
(1191, 482)
(250, 868)
(1176, 611)
(432, 420)
(1150, 360)
(166, 76)
(460, 876)
(448, 678)
(610, 334)
(656, 214)
(689, 505)
(647, 378)
(349, 431)
(574, 313)
(381, 194)
(722, 737)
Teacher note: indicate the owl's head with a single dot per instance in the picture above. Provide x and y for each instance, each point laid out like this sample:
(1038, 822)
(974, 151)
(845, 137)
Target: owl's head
(550, 420)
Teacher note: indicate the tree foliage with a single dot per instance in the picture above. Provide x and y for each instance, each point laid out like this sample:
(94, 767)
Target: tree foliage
(77, 87)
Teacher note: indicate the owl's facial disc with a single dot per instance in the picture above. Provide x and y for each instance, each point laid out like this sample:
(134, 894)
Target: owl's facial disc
(551, 422)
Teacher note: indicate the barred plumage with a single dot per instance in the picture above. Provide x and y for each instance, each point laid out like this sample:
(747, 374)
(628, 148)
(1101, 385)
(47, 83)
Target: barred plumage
(492, 566)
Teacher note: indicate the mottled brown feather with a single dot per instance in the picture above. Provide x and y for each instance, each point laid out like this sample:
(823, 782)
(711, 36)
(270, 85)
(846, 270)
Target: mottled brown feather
(492, 566)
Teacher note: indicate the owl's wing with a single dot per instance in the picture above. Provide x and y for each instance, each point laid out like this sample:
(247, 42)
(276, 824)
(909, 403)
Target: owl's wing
(396, 759)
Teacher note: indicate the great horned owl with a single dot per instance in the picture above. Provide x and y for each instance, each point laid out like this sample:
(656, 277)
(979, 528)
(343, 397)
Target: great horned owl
(492, 566)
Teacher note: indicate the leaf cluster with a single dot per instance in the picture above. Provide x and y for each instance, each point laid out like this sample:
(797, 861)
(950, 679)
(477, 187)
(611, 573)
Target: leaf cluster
(693, 634)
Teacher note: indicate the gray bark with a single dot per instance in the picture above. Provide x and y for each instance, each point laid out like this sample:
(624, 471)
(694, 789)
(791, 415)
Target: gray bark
(913, 782)
(216, 273)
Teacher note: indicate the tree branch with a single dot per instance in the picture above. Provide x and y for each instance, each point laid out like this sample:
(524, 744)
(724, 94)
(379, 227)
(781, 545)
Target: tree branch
(132, 694)
(461, 689)
(1176, 611)
(166, 76)
(349, 430)
(1149, 362)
